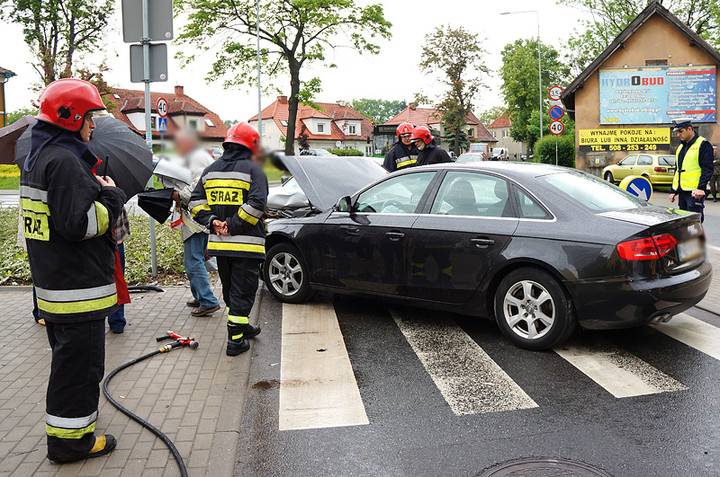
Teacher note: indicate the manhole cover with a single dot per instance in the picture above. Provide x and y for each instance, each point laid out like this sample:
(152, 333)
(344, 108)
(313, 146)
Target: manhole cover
(542, 467)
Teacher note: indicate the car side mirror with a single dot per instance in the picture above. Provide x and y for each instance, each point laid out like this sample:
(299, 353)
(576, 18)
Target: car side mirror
(344, 205)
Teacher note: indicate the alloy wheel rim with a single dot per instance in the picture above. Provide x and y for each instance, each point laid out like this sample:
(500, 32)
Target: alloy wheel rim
(286, 274)
(529, 310)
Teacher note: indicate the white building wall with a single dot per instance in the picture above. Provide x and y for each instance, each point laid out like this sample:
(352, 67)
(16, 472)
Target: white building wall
(504, 140)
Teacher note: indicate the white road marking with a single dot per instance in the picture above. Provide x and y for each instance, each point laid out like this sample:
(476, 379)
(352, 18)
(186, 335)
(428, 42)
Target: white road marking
(695, 333)
(621, 374)
(317, 384)
(469, 380)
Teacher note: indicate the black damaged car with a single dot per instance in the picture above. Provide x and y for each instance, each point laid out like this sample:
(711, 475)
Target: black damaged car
(540, 249)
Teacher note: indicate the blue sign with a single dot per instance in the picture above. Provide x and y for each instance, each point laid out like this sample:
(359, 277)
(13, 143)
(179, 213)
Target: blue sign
(638, 186)
(658, 94)
(162, 125)
(556, 112)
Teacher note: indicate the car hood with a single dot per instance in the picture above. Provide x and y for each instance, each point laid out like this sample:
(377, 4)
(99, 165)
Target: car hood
(648, 216)
(326, 179)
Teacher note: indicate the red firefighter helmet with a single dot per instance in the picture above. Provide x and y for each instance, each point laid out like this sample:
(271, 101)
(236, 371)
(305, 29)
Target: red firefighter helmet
(66, 102)
(404, 128)
(245, 135)
(422, 132)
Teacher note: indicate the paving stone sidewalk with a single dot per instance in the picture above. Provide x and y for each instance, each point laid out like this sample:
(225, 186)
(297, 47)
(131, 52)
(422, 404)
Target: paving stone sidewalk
(195, 396)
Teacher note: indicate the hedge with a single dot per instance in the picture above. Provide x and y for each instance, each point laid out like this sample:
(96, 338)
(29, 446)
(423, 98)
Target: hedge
(9, 171)
(545, 150)
(346, 152)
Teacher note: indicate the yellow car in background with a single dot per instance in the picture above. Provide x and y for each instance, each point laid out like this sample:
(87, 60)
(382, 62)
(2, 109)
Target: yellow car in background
(657, 168)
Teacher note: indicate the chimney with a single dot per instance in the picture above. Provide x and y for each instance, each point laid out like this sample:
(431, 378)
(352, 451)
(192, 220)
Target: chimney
(282, 99)
(179, 90)
(341, 103)
(412, 106)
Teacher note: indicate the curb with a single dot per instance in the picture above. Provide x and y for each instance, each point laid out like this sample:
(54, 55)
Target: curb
(232, 410)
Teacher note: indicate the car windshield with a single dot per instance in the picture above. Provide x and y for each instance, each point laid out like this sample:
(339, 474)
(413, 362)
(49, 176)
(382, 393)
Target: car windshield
(470, 158)
(591, 192)
(666, 161)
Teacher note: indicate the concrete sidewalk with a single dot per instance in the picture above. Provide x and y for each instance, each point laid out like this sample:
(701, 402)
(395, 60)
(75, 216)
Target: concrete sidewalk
(196, 397)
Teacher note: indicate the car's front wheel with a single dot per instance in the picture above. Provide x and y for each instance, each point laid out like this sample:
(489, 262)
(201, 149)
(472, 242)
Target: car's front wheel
(533, 310)
(286, 274)
(609, 177)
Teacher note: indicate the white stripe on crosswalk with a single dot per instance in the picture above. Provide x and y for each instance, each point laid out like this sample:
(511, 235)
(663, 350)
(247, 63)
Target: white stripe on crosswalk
(469, 380)
(695, 333)
(621, 374)
(317, 383)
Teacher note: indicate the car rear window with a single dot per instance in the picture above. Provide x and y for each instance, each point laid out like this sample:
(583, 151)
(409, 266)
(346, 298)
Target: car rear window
(666, 161)
(592, 192)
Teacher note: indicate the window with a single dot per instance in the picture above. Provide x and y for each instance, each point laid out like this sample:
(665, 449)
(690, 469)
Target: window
(591, 192)
(506, 133)
(193, 124)
(153, 122)
(399, 195)
(351, 130)
(655, 62)
(471, 132)
(667, 161)
(529, 208)
(644, 161)
(321, 128)
(283, 123)
(628, 161)
(472, 194)
(493, 133)
(209, 122)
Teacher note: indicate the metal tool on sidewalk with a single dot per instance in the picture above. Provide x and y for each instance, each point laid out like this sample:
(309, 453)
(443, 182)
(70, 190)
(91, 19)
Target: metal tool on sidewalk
(180, 341)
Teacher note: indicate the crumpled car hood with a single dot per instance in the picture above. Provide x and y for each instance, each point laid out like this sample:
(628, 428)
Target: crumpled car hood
(325, 179)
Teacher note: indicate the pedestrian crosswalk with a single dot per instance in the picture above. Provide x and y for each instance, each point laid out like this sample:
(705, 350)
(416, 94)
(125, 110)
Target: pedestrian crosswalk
(318, 386)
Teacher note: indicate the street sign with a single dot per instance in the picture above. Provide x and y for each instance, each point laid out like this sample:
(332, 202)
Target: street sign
(639, 186)
(557, 127)
(160, 20)
(162, 107)
(556, 112)
(158, 63)
(555, 93)
(162, 125)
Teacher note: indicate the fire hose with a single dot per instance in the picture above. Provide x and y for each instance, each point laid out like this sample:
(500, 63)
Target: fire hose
(180, 341)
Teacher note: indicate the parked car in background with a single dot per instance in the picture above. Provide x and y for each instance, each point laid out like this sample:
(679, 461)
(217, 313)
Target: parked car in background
(499, 154)
(215, 152)
(316, 152)
(470, 157)
(657, 168)
(479, 148)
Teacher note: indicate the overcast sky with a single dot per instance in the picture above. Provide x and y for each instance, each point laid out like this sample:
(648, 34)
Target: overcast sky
(390, 75)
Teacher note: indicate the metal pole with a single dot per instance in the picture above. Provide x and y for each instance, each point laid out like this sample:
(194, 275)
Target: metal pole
(540, 77)
(556, 150)
(257, 32)
(148, 121)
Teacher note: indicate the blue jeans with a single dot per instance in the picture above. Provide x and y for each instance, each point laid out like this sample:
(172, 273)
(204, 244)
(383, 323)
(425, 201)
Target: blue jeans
(117, 319)
(686, 202)
(194, 257)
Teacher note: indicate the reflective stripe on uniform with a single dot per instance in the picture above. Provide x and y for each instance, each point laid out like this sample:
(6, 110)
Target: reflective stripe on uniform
(241, 176)
(82, 306)
(237, 243)
(247, 217)
(226, 184)
(409, 162)
(33, 193)
(98, 220)
(253, 211)
(688, 179)
(68, 427)
(76, 294)
(81, 300)
(239, 320)
(36, 206)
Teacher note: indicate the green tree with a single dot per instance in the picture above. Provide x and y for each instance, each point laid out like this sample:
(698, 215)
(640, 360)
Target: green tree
(610, 17)
(519, 73)
(455, 57)
(229, 122)
(294, 33)
(19, 113)
(491, 114)
(379, 111)
(544, 150)
(59, 30)
(534, 126)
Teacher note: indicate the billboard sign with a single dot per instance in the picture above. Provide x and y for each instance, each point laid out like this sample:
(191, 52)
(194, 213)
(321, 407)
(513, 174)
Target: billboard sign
(658, 94)
(624, 139)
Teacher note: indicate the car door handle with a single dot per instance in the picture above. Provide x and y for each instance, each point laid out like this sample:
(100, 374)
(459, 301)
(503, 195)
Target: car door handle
(350, 230)
(395, 236)
(482, 242)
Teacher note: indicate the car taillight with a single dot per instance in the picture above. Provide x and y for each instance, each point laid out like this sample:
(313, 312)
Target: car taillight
(647, 248)
(660, 169)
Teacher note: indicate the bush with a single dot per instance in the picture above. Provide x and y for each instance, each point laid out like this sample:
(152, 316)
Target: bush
(9, 171)
(346, 152)
(544, 150)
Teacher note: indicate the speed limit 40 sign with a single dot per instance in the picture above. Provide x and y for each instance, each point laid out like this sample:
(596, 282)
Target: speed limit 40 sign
(557, 127)
(162, 107)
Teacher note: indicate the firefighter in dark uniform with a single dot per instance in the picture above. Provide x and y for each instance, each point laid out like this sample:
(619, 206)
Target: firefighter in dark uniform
(404, 153)
(230, 200)
(693, 170)
(429, 152)
(67, 211)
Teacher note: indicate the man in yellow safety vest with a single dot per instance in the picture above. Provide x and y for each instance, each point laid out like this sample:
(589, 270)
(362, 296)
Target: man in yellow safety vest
(693, 168)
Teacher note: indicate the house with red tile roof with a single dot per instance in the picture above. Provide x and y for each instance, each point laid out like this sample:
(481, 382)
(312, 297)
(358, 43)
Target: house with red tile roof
(333, 126)
(500, 129)
(430, 117)
(183, 112)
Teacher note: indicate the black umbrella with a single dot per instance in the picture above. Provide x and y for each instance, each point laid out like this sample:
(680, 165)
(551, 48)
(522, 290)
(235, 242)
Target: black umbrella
(157, 203)
(124, 154)
(9, 136)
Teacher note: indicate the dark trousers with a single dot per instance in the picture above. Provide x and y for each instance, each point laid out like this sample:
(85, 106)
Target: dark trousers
(687, 202)
(78, 365)
(715, 185)
(239, 277)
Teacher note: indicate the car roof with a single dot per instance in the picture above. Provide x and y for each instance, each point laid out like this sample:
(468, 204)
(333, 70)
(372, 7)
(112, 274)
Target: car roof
(529, 169)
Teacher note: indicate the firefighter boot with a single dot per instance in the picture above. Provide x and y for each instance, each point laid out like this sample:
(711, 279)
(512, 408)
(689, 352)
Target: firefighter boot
(251, 331)
(237, 343)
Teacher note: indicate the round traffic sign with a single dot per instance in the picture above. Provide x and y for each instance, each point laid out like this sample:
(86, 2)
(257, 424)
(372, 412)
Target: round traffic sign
(555, 92)
(556, 112)
(557, 127)
(162, 107)
(639, 186)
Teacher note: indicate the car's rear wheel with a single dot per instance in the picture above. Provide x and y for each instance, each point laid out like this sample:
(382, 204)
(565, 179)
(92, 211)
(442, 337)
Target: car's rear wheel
(533, 310)
(609, 177)
(286, 274)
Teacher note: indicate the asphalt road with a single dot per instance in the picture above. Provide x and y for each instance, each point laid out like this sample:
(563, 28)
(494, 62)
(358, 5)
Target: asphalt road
(444, 395)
